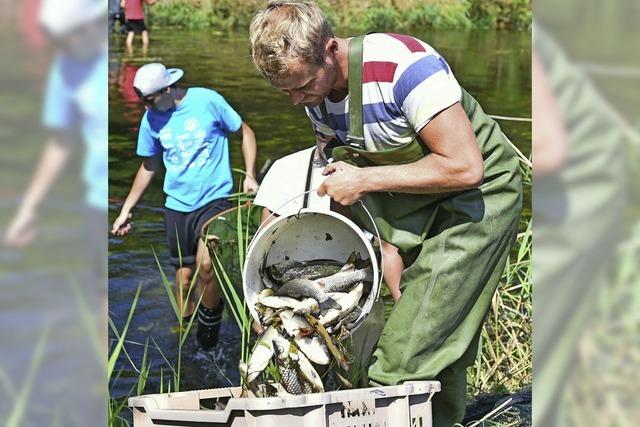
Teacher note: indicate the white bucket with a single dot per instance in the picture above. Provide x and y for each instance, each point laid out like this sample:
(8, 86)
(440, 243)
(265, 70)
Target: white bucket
(306, 235)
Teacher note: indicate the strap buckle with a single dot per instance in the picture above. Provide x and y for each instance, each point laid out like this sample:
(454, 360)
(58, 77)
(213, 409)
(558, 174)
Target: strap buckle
(355, 141)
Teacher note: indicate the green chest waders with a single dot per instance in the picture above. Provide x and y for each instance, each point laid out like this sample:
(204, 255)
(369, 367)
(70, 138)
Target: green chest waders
(455, 247)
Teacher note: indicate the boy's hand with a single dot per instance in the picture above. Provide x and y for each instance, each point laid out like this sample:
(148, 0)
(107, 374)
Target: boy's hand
(122, 225)
(250, 184)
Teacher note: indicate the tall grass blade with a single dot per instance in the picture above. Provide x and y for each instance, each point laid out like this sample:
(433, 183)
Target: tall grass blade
(144, 370)
(167, 286)
(113, 357)
(20, 405)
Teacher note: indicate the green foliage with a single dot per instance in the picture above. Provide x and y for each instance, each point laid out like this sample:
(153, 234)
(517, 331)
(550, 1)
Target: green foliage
(511, 14)
(453, 15)
(380, 19)
(194, 15)
(376, 16)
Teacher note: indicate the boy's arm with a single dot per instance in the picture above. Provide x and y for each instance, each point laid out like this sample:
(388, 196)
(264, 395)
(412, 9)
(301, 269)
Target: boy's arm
(54, 156)
(146, 172)
(249, 152)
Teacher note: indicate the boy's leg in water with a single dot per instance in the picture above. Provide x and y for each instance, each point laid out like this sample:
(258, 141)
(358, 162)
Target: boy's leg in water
(211, 307)
(207, 280)
(184, 275)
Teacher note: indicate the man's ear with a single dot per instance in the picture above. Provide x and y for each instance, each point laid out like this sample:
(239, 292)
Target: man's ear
(332, 47)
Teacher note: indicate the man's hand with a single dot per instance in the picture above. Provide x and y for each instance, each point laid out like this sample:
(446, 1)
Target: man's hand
(344, 185)
(122, 225)
(250, 185)
(22, 229)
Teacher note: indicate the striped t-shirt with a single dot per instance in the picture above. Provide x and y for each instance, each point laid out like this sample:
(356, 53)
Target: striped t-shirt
(405, 83)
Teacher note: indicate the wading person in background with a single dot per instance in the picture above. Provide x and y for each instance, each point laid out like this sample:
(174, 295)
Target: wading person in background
(440, 179)
(134, 16)
(116, 14)
(186, 129)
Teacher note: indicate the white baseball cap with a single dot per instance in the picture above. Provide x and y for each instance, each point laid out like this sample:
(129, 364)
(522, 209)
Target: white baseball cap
(59, 17)
(150, 78)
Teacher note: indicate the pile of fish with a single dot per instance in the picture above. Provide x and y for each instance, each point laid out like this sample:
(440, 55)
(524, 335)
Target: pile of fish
(305, 309)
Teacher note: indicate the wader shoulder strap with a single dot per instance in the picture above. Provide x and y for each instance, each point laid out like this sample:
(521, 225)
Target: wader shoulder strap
(325, 113)
(356, 133)
(307, 185)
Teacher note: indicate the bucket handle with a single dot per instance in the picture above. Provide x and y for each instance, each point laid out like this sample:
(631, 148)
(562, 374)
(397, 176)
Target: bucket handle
(375, 227)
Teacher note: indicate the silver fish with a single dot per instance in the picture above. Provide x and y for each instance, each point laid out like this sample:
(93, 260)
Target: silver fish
(267, 281)
(295, 325)
(348, 319)
(281, 347)
(291, 381)
(344, 280)
(289, 377)
(243, 368)
(262, 353)
(275, 271)
(347, 302)
(314, 348)
(310, 271)
(266, 314)
(265, 293)
(302, 287)
(280, 390)
(307, 371)
(288, 374)
(279, 302)
(307, 306)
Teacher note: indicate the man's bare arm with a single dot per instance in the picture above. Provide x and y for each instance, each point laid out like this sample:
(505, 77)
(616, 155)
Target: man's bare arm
(454, 163)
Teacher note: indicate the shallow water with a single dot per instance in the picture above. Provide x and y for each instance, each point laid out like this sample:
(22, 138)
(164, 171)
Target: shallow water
(492, 66)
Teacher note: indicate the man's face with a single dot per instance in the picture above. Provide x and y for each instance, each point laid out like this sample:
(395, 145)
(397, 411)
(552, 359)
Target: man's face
(308, 84)
(160, 101)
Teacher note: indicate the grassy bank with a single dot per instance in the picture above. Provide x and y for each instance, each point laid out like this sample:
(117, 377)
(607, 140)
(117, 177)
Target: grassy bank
(377, 15)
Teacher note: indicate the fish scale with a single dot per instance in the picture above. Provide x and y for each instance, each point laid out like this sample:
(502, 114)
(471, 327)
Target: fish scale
(290, 380)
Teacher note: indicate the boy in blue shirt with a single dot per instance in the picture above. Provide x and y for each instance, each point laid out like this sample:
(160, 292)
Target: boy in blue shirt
(186, 129)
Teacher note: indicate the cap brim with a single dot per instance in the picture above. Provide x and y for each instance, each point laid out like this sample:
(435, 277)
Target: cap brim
(175, 74)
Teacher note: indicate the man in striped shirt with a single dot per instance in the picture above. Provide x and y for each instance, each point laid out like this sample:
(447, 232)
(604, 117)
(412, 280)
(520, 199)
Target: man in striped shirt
(418, 151)
(397, 71)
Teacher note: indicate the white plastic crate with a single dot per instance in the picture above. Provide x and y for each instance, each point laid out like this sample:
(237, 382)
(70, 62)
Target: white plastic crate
(406, 405)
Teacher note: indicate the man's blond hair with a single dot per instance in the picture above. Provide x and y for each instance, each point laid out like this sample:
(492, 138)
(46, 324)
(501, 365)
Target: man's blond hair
(288, 31)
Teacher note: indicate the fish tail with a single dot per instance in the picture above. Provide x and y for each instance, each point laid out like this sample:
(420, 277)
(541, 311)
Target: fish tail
(327, 304)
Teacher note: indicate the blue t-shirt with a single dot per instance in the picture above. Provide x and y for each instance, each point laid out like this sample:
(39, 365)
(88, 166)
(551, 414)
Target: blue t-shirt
(76, 95)
(194, 146)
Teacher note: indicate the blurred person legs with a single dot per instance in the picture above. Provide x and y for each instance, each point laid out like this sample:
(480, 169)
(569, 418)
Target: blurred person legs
(117, 17)
(135, 13)
(578, 201)
(56, 306)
